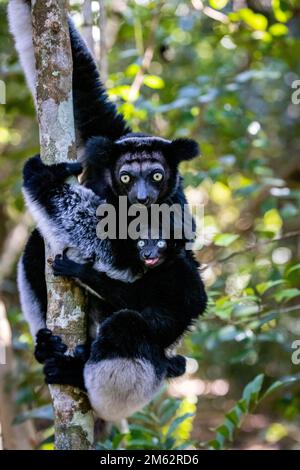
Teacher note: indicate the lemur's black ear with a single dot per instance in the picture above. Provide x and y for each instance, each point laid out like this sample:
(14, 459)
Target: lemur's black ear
(184, 149)
(99, 152)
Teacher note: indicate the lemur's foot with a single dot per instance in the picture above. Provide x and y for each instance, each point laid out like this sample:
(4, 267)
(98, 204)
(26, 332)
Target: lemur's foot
(48, 345)
(67, 370)
(176, 366)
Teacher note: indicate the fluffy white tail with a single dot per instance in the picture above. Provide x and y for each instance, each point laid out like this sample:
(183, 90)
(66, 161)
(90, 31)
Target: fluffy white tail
(20, 25)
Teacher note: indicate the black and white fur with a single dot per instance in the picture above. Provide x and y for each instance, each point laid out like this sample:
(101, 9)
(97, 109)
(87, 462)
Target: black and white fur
(129, 384)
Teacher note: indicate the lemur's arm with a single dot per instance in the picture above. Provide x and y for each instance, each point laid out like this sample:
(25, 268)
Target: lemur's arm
(167, 317)
(65, 213)
(98, 283)
(119, 294)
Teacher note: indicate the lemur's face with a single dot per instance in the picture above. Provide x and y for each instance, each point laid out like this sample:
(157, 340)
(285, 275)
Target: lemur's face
(144, 177)
(143, 168)
(152, 252)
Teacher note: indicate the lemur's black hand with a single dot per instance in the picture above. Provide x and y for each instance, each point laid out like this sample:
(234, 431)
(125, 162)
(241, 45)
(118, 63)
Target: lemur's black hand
(64, 266)
(36, 171)
(48, 345)
(67, 370)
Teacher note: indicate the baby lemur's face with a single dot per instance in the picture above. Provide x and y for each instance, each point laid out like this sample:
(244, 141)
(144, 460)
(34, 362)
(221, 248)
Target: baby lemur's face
(152, 252)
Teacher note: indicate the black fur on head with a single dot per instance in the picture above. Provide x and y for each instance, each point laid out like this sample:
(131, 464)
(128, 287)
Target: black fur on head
(183, 149)
(174, 151)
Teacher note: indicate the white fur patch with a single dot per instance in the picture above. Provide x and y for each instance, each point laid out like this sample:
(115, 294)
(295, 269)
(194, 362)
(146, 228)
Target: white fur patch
(143, 140)
(75, 227)
(48, 229)
(119, 387)
(124, 275)
(30, 305)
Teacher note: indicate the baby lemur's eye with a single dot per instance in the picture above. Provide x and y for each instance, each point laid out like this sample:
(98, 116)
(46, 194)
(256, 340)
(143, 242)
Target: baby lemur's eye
(125, 178)
(161, 243)
(157, 176)
(141, 243)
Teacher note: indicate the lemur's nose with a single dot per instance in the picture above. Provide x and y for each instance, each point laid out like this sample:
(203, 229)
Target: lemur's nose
(143, 200)
(147, 254)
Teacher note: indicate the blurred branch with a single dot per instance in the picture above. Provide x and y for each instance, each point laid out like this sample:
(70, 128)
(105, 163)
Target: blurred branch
(210, 12)
(14, 437)
(12, 247)
(147, 58)
(251, 247)
(87, 27)
(285, 171)
(103, 64)
(259, 245)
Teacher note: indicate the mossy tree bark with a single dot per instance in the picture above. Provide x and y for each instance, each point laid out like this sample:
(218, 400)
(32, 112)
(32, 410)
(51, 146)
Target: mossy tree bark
(73, 416)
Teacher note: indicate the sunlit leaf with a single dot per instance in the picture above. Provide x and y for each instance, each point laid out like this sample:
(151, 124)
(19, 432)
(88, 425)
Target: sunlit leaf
(153, 81)
(257, 21)
(225, 239)
(278, 29)
(287, 294)
(218, 4)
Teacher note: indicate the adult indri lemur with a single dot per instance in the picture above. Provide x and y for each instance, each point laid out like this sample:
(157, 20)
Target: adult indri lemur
(145, 316)
(130, 384)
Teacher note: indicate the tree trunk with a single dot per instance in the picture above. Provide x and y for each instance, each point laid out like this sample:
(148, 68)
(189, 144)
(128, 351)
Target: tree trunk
(73, 416)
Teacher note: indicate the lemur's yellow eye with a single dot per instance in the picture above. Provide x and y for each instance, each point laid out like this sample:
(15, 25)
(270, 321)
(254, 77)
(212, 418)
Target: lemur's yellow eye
(141, 243)
(157, 176)
(125, 178)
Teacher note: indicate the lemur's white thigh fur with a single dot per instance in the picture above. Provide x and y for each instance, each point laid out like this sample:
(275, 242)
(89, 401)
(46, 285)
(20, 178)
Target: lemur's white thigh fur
(20, 25)
(31, 307)
(118, 387)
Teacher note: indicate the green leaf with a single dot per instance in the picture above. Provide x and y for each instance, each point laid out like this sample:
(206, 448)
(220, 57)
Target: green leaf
(251, 391)
(279, 384)
(294, 268)
(177, 422)
(153, 81)
(225, 239)
(278, 29)
(218, 4)
(117, 440)
(287, 294)
(264, 286)
(166, 415)
(256, 21)
(243, 310)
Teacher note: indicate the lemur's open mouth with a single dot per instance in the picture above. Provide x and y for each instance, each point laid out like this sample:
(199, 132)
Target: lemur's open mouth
(152, 262)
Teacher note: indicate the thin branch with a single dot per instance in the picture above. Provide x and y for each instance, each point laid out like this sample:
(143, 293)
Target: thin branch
(253, 246)
(146, 60)
(259, 245)
(210, 12)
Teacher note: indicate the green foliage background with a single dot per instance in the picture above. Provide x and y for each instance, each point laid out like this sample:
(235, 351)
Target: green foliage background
(222, 72)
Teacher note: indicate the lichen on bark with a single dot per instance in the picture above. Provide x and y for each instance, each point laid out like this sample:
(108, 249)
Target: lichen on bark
(65, 313)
